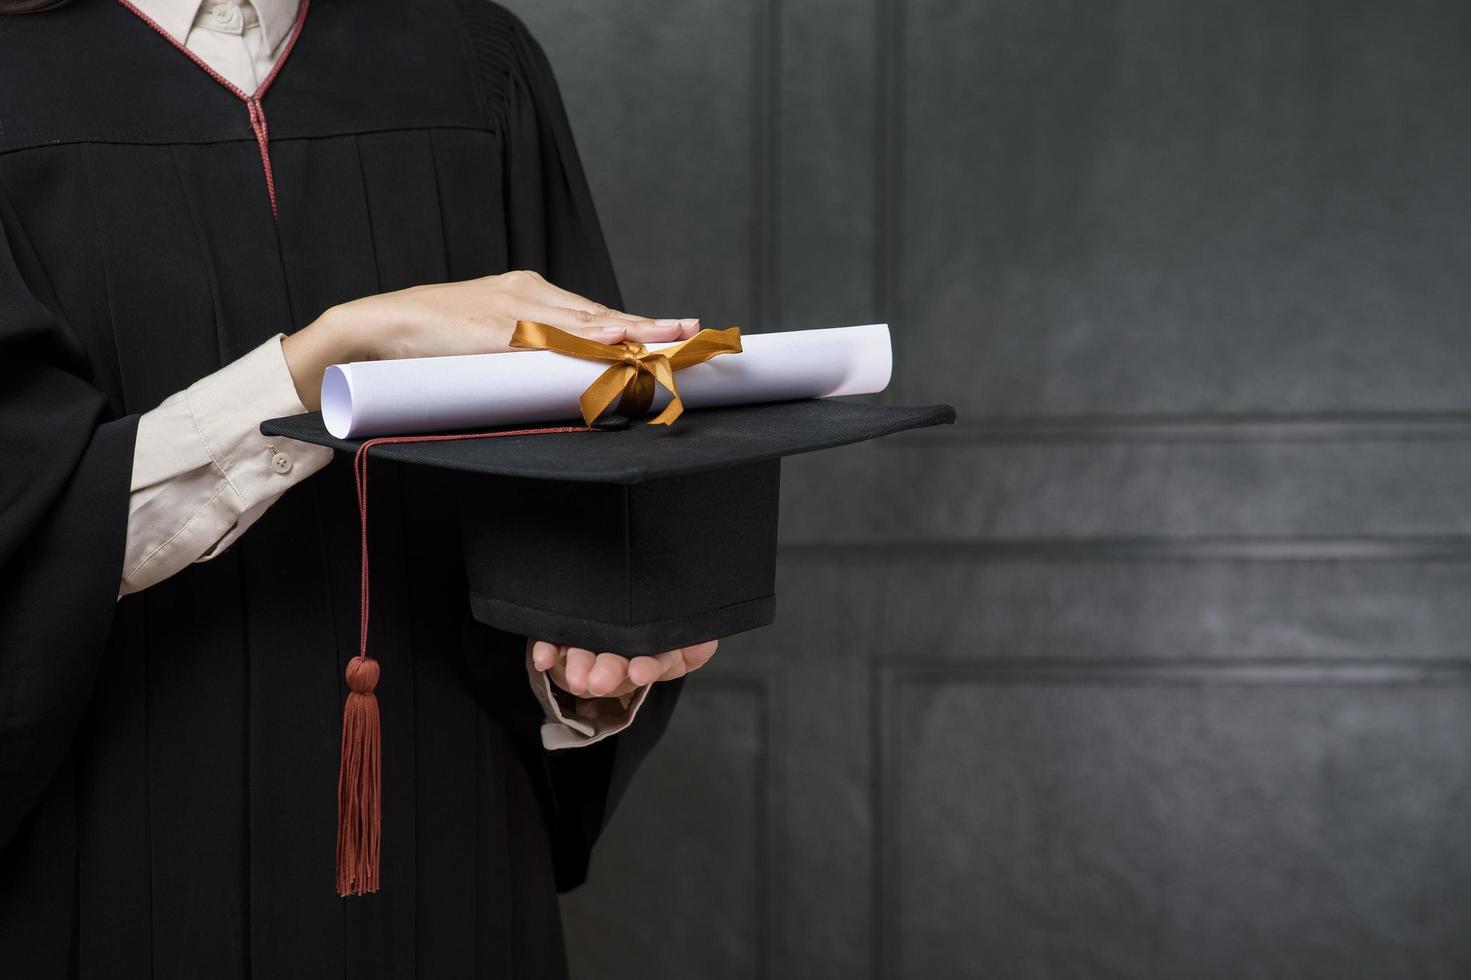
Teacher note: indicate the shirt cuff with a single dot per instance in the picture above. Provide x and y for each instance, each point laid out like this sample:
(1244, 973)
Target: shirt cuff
(202, 471)
(588, 720)
(228, 408)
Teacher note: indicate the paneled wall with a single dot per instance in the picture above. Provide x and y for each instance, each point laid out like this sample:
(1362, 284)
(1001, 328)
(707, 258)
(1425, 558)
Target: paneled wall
(1157, 664)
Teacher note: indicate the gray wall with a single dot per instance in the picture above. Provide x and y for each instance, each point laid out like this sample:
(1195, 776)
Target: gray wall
(1157, 665)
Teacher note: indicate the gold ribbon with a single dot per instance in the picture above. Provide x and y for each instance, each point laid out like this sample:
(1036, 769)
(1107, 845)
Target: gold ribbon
(635, 368)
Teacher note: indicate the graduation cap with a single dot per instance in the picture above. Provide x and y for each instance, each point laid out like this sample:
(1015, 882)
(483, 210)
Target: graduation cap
(615, 536)
(630, 538)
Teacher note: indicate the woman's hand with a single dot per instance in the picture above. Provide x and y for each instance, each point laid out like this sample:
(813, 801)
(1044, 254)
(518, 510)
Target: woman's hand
(605, 675)
(473, 317)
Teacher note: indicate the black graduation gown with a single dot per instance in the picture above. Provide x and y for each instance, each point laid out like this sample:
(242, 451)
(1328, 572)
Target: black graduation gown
(168, 761)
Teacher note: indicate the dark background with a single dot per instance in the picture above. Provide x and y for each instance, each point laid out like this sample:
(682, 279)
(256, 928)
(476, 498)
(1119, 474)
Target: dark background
(1157, 664)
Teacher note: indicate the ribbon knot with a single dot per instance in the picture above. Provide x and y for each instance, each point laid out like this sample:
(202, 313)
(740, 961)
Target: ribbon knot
(635, 369)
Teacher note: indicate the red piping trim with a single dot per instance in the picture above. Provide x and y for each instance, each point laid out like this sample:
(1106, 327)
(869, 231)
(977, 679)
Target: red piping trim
(252, 101)
(263, 143)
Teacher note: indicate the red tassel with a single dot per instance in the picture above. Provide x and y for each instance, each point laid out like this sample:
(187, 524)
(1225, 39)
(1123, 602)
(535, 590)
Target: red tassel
(360, 776)
(360, 783)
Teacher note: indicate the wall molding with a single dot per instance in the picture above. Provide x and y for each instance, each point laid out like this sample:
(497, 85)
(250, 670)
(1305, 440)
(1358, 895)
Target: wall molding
(889, 132)
(1293, 548)
(1177, 671)
(1196, 428)
(766, 162)
(887, 677)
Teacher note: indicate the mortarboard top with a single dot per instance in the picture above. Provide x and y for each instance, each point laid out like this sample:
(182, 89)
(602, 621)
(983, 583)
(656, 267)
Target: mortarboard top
(635, 539)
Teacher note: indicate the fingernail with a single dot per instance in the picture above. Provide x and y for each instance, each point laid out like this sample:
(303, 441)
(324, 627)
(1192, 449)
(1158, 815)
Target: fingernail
(667, 323)
(689, 323)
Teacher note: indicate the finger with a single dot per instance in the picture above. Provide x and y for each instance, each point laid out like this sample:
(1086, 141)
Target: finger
(698, 655)
(644, 671)
(544, 655)
(607, 675)
(642, 331)
(605, 328)
(672, 662)
(579, 664)
(656, 331)
(665, 666)
(688, 327)
(580, 322)
(558, 674)
(551, 294)
(558, 671)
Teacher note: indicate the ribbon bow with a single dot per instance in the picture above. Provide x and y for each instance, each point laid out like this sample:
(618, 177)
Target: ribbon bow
(635, 368)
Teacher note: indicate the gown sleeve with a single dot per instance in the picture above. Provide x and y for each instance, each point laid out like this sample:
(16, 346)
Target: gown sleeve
(552, 228)
(65, 468)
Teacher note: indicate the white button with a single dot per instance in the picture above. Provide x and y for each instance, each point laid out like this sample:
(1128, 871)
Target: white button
(281, 463)
(226, 17)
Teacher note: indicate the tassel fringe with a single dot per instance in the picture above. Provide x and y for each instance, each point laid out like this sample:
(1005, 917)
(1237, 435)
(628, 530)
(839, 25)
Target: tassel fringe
(360, 783)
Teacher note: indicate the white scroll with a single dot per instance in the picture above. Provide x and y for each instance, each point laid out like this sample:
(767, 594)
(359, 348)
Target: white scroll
(431, 394)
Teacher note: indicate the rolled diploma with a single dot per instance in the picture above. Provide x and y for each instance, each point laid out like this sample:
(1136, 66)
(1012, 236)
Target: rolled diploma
(429, 394)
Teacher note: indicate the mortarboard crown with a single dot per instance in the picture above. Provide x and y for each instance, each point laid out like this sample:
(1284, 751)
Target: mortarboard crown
(630, 538)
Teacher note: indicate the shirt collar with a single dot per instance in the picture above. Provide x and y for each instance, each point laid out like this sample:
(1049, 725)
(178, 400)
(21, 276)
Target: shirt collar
(277, 18)
(176, 17)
